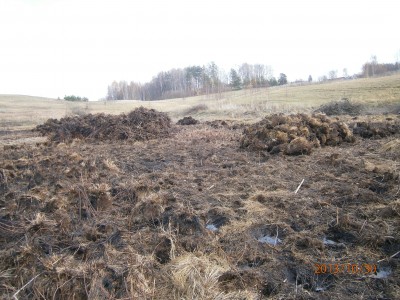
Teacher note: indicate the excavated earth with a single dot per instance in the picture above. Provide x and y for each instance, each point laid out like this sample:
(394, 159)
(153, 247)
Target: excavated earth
(206, 211)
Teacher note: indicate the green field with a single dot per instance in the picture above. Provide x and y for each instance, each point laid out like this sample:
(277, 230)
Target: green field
(23, 112)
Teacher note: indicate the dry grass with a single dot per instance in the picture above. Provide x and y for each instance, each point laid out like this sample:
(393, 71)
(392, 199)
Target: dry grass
(94, 220)
(89, 220)
(376, 93)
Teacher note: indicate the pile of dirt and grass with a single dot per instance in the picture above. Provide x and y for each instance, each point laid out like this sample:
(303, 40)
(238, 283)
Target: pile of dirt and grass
(375, 129)
(295, 134)
(139, 124)
(187, 121)
(341, 107)
(229, 124)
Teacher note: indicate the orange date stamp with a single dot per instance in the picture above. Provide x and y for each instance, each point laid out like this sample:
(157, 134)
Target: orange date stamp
(344, 268)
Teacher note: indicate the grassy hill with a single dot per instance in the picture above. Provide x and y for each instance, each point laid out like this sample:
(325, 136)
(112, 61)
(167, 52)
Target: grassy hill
(23, 112)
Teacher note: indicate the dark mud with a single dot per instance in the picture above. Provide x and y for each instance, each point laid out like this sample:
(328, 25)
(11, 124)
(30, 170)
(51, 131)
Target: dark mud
(103, 221)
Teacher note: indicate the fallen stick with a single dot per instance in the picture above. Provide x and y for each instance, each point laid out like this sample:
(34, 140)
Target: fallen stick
(276, 238)
(389, 257)
(362, 226)
(299, 187)
(17, 292)
(395, 254)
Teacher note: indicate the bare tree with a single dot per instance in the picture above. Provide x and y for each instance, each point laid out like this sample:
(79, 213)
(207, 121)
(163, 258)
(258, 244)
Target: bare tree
(332, 74)
(374, 62)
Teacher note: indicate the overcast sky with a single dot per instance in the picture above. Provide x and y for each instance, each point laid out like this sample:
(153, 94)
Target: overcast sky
(54, 48)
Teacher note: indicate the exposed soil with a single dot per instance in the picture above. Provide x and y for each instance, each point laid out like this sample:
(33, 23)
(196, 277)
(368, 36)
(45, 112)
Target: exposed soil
(187, 121)
(375, 129)
(140, 124)
(192, 215)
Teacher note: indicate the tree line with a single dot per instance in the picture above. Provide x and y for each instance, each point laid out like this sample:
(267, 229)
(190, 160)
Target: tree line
(369, 69)
(210, 79)
(74, 98)
(195, 80)
(373, 68)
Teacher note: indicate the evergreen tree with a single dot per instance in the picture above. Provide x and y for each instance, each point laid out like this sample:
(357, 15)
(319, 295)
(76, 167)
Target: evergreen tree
(282, 79)
(235, 81)
(273, 81)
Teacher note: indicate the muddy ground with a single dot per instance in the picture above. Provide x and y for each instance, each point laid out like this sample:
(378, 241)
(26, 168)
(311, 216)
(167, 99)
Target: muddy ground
(196, 216)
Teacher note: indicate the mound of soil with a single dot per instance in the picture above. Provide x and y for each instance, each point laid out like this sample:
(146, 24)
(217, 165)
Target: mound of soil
(230, 124)
(187, 121)
(218, 123)
(342, 107)
(376, 129)
(139, 124)
(294, 134)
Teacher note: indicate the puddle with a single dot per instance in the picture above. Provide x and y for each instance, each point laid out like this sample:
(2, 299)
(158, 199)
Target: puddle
(215, 220)
(382, 273)
(332, 243)
(268, 234)
(269, 240)
(328, 242)
(212, 227)
(340, 235)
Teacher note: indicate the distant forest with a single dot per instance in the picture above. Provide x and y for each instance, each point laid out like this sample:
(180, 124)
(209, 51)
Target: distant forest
(210, 79)
(193, 81)
(373, 68)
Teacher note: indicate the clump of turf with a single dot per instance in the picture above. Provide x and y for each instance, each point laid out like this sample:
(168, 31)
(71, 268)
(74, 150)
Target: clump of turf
(341, 107)
(294, 134)
(139, 124)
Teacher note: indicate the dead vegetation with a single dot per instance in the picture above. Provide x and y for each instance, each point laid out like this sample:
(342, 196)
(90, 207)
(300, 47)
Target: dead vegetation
(139, 124)
(341, 107)
(193, 216)
(187, 121)
(195, 109)
(375, 129)
(295, 134)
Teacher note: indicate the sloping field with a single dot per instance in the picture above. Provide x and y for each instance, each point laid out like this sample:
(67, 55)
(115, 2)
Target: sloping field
(205, 211)
(378, 94)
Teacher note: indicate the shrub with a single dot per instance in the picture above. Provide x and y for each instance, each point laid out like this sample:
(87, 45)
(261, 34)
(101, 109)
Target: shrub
(75, 98)
(195, 109)
(341, 107)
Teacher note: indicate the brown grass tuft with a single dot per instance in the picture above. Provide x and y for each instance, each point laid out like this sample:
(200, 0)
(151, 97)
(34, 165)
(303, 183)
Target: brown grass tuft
(196, 277)
(299, 146)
